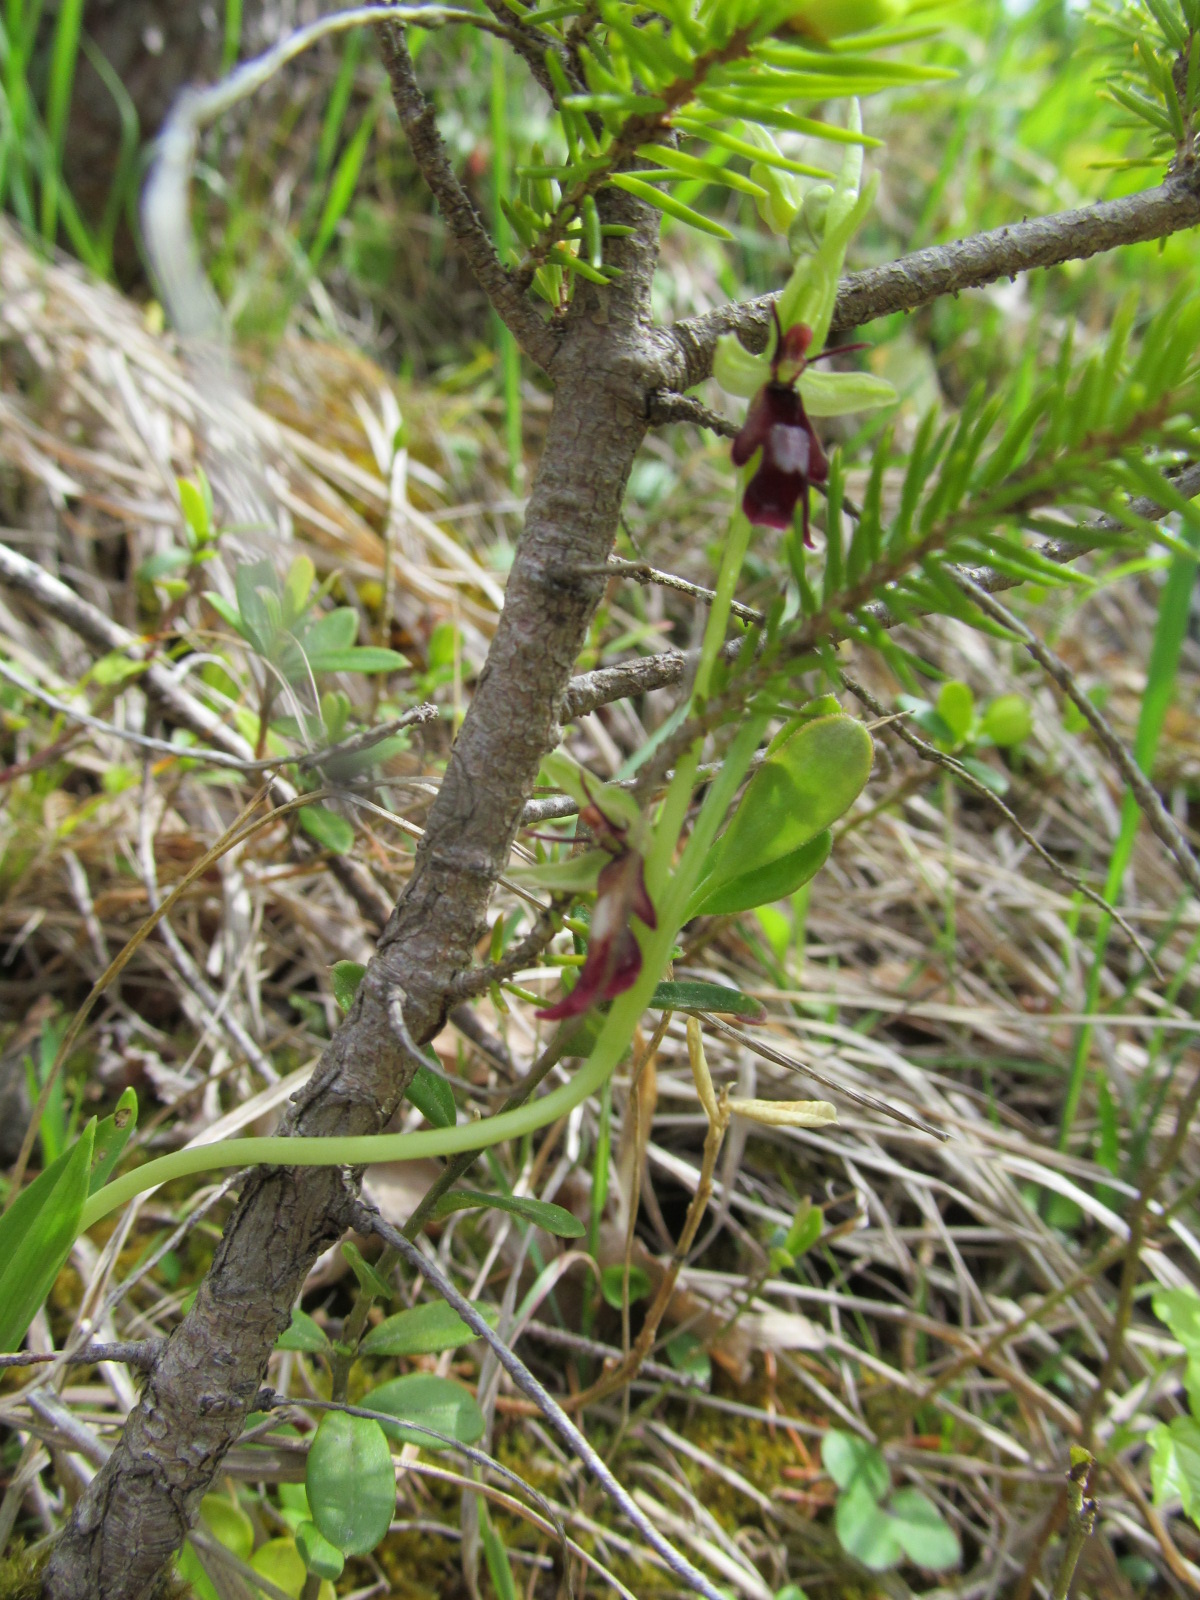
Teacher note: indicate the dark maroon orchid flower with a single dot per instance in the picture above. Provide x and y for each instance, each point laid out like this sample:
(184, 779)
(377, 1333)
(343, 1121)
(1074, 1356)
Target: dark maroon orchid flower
(778, 425)
(614, 957)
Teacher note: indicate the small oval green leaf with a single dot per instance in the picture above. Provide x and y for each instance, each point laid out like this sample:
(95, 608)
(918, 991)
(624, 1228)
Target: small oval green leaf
(612, 1284)
(542, 1213)
(1008, 720)
(422, 1331)
(423, 1401)
(317, 1553)
(328, 829)
(350, 1481)
(346, 977)
(302, 1333)
(433, 1098)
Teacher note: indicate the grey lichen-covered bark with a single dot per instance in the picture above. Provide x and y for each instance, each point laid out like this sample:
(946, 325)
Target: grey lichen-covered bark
(138, 1509)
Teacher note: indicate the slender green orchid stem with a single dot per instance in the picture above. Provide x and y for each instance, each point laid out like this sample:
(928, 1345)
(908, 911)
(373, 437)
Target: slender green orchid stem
(675, 885)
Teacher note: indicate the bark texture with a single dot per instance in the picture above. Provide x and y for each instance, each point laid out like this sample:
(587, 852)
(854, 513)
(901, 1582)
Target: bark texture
(138, 1509)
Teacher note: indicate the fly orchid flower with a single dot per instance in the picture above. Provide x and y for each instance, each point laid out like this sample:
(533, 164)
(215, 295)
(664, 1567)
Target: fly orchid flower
(778, 425)
(614, 957)
(785, 389)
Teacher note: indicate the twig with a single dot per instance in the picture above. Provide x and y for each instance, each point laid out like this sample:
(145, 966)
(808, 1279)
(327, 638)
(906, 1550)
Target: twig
(1081, 1520)
(666, 406)
(915, 280)
(1141, 1223)
(369, 1221)
(642, 572)
(1162, 823)
(139, 1353)
(588, 691)
(365, 739)
(215, 1008)
(478, 980)
(418, 119)
(939, 758)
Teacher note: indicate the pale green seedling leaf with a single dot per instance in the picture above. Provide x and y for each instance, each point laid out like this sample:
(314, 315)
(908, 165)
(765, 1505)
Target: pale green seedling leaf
(498, 1565)
(329, 830)
(923, 1532)
(613, 1283)
(350, 1481)
(864, 1529)
(1008, 720)
(229, 1524)
(956, 707)
(1175, 1464)
(1180, 1310)
(850, 1460)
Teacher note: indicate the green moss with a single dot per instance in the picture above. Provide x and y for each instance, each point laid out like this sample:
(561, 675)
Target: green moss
(21, 1573)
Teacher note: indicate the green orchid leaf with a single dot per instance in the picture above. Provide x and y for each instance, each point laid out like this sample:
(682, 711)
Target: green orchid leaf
(36, 1235)
(228, 1524)
(776, 881)
(850, 1460)
(803, 786)
(112, 1135)
(319, 1555)
(433, 1098)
